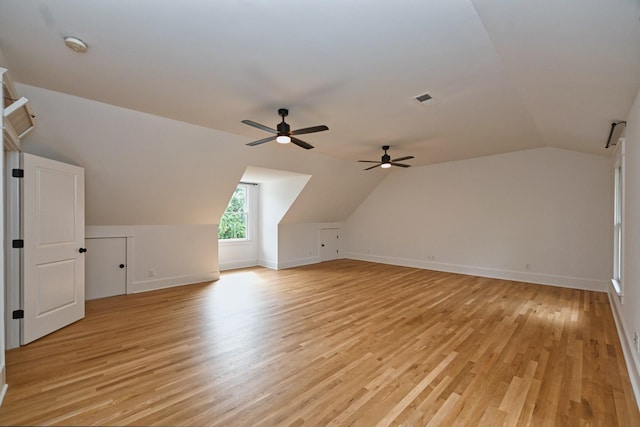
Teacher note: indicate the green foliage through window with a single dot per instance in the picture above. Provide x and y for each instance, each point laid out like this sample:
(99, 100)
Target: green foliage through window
(233, 224)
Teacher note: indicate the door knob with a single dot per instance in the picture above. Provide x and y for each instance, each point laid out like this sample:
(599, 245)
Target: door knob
(82, 250)
(121, 265)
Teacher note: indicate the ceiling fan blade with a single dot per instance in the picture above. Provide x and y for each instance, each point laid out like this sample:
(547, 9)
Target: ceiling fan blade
(262, 141)
(369, 161)
(399, 159)
(312, 129)
(301, 143)
(374, 166)
(259, 126)
(400, 165)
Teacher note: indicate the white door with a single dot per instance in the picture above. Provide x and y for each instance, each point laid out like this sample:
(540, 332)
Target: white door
(329, 244)
(106, 266)
(53, 254)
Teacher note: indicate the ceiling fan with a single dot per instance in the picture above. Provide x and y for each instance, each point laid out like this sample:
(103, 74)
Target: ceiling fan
(386, 162)
(283, 133)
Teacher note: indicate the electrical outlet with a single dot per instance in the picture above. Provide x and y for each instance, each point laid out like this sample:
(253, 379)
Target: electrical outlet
(636, 341)
(152, 273)
(431, 258)
(527, 266)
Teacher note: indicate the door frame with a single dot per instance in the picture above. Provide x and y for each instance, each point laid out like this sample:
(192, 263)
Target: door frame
(12, 256)
(96, 267)
(337, 228)
(106, 231)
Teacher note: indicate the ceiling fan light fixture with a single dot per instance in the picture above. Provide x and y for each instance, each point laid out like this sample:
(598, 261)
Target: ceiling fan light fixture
(386, 161)
(283, 139)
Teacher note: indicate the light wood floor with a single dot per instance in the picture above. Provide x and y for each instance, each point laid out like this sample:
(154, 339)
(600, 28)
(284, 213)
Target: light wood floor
(337, 343)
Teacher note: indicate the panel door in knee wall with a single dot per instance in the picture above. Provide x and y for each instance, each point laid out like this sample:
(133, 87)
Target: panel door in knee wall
(106, 267)
(329, 244)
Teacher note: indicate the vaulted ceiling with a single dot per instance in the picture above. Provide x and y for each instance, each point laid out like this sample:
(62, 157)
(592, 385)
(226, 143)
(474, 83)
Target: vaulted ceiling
(504, 75)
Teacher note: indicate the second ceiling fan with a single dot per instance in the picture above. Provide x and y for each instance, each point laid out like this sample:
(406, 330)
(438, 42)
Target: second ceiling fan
(283, 133)
(386, 162)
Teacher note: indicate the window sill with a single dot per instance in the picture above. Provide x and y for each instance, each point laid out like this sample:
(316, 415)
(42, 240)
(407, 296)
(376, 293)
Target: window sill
(617, 286)
(233, 242)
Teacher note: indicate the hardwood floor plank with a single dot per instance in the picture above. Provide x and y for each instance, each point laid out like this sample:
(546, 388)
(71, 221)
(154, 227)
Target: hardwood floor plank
(338, 343)
(406, 400)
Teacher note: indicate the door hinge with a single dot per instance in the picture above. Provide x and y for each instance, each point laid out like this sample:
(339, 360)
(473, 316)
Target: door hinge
(18, 314)
(17, 173)
(17, 244)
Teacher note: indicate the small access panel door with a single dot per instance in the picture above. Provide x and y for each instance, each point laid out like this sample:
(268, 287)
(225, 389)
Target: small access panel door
(53, 253)
(329, 244)
(106, 267)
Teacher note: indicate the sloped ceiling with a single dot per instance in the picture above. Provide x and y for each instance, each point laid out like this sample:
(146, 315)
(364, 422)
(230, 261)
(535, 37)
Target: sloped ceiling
(505, 75)
(141, 169)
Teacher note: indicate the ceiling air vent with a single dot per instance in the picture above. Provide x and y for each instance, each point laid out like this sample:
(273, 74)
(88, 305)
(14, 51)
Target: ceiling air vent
(425, 98)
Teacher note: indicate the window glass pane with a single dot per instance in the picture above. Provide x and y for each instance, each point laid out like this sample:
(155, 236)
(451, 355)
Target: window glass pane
(617, 197)
(617, 228)
(233, 224)
(619, 251)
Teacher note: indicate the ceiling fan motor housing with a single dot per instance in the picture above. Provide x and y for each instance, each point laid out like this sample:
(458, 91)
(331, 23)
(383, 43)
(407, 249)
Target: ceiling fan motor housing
(386, 158)
(283, 128)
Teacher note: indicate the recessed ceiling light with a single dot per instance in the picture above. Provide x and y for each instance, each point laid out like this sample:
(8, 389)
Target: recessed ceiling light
(76, 44)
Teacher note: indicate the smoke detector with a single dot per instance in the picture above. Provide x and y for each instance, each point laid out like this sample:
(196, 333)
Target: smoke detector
(76, 44)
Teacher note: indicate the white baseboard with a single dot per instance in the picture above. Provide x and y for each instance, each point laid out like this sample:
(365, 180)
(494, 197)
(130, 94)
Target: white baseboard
(298, 262)
(3, 379)
(626, 342)
(520, 276)
(267, 263)
(238, 264)
(168, 282)
(3, 392)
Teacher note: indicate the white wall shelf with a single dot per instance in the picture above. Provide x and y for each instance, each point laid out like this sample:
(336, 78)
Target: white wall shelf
(19, 119)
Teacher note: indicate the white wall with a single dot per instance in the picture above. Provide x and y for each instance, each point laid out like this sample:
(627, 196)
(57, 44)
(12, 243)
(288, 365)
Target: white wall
(276, 199)
(492, 216)
(239, 254)
(177, 254)
(324, 198)
(299, 243)
(627, 309)
(140, 169)
(148, 170)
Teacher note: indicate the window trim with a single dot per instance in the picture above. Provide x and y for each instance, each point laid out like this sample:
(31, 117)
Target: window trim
(618, 219)
(247, 212)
